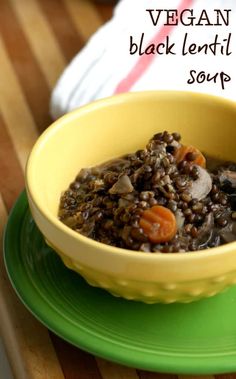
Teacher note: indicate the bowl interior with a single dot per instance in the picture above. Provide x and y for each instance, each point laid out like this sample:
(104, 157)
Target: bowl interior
(111, 127)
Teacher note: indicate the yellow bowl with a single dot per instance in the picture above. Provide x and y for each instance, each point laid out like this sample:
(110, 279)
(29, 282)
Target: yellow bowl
(109, 128)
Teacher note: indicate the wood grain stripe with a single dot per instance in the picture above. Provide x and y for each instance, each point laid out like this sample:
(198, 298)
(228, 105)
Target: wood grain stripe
(27, 70)
(41, 39)
(153, 375)
(11, 178)
(111, 370)
(75, 363)
(3, 220)
(26, 340)
(85, 17)
(196, 377)
(105, 10)
(62, 26)
(15, 110)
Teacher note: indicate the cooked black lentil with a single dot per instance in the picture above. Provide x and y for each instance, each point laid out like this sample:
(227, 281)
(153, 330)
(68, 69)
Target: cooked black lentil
(105, 202)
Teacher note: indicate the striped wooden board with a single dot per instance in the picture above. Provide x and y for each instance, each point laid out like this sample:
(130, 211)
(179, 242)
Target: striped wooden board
(37, 40)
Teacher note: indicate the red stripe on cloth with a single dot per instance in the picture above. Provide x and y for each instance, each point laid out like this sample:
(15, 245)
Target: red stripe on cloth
(145, 60)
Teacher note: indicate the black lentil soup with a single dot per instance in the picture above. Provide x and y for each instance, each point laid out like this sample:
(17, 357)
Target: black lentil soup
(165, 198)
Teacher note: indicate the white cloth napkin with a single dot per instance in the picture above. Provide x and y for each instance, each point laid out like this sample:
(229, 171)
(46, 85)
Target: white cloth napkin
(105, 66)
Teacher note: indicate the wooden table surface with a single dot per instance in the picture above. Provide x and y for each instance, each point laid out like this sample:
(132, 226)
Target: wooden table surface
(37, 40)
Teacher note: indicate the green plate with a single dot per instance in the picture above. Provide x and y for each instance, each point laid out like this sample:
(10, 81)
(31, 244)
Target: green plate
(197, 338)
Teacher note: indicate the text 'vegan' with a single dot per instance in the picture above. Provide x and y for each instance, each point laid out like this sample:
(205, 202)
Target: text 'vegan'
(190, 17)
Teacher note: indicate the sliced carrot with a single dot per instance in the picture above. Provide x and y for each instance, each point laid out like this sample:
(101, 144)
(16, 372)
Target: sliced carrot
(158, 223)
(181, 153)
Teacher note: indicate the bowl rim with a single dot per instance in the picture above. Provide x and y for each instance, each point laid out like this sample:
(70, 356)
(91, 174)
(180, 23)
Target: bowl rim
(93, 106)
